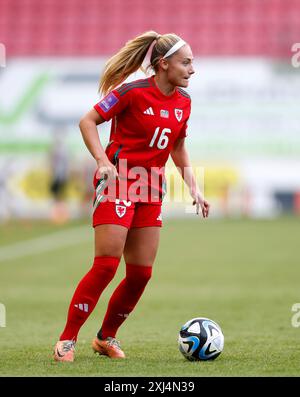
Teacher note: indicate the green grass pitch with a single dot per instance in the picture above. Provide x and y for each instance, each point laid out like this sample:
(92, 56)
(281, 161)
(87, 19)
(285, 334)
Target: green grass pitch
(243, 274)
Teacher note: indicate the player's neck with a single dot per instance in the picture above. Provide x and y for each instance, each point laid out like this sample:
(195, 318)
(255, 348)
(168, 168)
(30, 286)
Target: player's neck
(163, 85)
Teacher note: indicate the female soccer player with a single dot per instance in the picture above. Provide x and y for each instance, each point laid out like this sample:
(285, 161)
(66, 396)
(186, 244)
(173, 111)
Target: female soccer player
(149, 122)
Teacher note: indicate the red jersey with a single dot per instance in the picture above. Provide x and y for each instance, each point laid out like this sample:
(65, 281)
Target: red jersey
(145, 122)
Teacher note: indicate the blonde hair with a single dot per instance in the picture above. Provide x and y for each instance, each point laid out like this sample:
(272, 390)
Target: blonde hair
(130, 58)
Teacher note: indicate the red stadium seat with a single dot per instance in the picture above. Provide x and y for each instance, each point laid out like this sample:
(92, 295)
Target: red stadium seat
(98, 27)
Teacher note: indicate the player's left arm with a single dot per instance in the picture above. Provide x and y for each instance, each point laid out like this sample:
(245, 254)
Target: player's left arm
(182, 161)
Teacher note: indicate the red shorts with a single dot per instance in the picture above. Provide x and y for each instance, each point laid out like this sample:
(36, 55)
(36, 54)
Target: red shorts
(124, 212)
(128, 214)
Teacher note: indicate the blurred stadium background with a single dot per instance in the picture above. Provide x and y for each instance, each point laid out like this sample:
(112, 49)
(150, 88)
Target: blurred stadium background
(244, 127)
(238, 268)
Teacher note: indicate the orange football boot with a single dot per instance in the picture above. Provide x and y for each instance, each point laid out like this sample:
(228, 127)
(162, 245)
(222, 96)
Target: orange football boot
(64, 350)
(108, 347)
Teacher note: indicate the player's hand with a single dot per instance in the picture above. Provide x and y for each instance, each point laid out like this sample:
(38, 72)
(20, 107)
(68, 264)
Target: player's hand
(200, 203)
(106, 170)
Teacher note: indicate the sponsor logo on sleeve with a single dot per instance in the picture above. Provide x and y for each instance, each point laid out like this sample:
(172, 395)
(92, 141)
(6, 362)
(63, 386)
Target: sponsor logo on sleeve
(108, 102)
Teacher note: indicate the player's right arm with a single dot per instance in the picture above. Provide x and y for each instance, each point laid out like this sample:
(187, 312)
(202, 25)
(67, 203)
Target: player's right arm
(88, 127)
(110, 106)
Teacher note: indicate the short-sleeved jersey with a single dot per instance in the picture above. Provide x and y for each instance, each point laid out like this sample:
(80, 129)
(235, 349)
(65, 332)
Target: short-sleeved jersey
(145, 122)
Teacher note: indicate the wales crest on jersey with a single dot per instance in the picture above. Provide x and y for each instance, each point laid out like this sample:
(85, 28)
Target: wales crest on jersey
(178, 114)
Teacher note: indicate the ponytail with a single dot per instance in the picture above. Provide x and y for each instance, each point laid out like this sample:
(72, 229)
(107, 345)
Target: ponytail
(127, 61)
(130, 58)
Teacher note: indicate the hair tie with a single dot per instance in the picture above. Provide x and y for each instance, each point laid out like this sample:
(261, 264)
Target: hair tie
(147, 60)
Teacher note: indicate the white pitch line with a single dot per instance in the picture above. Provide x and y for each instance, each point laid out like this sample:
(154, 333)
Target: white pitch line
(46, 243)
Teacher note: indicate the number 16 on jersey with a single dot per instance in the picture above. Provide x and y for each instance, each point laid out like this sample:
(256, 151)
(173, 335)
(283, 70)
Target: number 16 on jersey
(163, 140)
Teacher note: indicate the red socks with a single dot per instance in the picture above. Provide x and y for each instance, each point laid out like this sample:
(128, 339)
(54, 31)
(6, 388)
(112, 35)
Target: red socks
(125, 298)
(88, 293)
(121, 304)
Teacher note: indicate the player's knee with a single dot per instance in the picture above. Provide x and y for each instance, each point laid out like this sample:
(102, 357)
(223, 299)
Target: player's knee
(110, 247)
(106, 266)
(138, 275)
